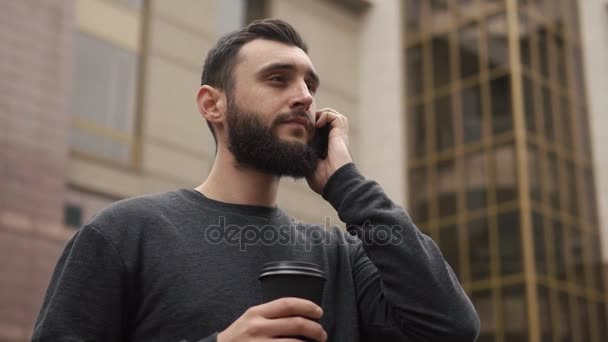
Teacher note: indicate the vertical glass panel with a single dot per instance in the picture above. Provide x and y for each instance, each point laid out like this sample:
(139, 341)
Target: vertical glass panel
(441, 60)
(468, 40)
(476, 180)
(529, 105)
(539, 243)
(544, 310)
(525, 43)
(552, 180)
(472, 114)
(413, 14)
(444, 123)
(534, 174)
(564, 325)
(514, 314)
(597, 267)
(448, 187)
(566, 123)
(496, 31)
(484, 303)
(574, 243)
(583, 144)
(602, 319)
(590, 204)
(560, 59)
(576, 69)
(548, 114)
(504, 171)
(419, 194)
(542, 47)
(414, 77)
(509, 239)
(500, 90)
(479, 248)
(583, 319)
(417, 131)
(558, 249)
(450, 246)
(572, 195)
(440, 14)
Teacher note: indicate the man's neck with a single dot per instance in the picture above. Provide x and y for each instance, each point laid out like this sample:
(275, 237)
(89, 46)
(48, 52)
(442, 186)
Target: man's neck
(227, 183)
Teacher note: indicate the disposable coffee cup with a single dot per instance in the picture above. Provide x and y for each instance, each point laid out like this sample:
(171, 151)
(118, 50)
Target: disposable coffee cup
(292, 279)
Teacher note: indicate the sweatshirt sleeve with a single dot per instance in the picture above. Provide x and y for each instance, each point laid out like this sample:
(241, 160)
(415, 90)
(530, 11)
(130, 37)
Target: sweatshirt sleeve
(406, 291)
(85, 297)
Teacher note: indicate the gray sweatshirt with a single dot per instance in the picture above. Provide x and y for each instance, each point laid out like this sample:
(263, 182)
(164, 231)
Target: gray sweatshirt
(179, 266)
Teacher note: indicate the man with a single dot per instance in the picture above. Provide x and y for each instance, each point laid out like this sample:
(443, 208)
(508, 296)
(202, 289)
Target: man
(183, 265)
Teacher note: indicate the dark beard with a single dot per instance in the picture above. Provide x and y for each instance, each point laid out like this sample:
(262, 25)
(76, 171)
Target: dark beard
(254, 145)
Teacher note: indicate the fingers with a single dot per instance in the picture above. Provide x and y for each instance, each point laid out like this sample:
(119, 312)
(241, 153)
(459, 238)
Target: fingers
(328, 115)
(294, 326)
(289, 306)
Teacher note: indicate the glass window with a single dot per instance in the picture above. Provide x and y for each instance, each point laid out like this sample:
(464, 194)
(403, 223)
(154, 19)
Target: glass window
(485, 304)
(529, 105)
(548, 114)
(583, 319)
(419, 194)
(440, 14)
(597, 268)
(496, 31)
(572, 195)
(534, 174)
(413, 14)
(560, 60)
(441, 60)
(472, 114)
(574, 242)
(417, 131)
(525, 43)
(552, 180)
(542, 41)
(539, 243)
(509, 239)
(576, 70)
(444, 123)
(590, 204)
(414, 77)
(479, 248)
(468, 40)
(504, 171)
(500, 90)
(450, 246)
(103, 104)
(566, 123)
(514, 313)
(564, 330)
(602, 319)
(476, 180)
(558, 249)
(447, 187)
(545, 314)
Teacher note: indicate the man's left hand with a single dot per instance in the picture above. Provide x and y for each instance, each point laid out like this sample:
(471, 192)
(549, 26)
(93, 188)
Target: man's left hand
(338, 153)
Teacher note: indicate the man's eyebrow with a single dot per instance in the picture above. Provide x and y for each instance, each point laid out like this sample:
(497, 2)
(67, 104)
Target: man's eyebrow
(289, 67)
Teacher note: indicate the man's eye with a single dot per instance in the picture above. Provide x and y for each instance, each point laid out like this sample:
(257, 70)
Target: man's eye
(311, 88)
(277, 78)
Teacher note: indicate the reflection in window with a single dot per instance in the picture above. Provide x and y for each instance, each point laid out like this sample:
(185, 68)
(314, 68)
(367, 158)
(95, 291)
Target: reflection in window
(504, 170)
(441, 61)
(509, 239)
(496, 30)
(104, 98)
(468, 38)
(444, 123)
(475, 181)
(449, 244)
(447, 188)
(539, 243)
(545, 314)
(472, 114)
(484, 304)
(534, 174)
(414, 70)
(419, 194)
(500, 90)
(417, 131)
(479, 247)
(514, 314)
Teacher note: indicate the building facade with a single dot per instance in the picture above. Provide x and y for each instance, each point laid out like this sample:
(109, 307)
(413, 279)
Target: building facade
(481, 117)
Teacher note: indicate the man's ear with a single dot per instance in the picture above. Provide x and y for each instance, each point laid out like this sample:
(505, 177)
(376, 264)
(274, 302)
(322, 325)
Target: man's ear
(211, 103)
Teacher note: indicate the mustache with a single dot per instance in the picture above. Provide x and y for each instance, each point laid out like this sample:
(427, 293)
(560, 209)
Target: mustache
(296, 113)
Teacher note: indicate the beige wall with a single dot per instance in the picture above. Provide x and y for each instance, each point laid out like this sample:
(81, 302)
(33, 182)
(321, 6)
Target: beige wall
(594, 20)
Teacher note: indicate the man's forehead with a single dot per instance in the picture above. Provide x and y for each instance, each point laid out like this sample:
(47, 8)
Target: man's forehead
(261, 53)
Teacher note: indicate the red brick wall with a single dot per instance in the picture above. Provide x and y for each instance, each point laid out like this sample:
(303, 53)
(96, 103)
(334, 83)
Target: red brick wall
(35, 64)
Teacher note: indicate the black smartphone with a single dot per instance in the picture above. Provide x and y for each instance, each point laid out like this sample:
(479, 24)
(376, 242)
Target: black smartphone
(321, 140)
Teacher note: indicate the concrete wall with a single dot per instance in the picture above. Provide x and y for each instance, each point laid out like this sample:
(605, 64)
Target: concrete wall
(594, 31)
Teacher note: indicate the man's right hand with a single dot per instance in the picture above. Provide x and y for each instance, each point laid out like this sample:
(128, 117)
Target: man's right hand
(275, 321)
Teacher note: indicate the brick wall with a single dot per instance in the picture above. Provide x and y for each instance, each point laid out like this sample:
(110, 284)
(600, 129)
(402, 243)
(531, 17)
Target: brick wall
(35, 64)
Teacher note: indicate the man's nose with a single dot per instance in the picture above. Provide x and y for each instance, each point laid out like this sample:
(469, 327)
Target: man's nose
(302, 96)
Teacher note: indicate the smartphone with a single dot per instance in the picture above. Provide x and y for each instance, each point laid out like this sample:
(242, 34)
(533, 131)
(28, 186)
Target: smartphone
(321, 140)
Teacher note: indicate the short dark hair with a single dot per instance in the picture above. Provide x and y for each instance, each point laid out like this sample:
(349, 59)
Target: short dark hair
(221, 59)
